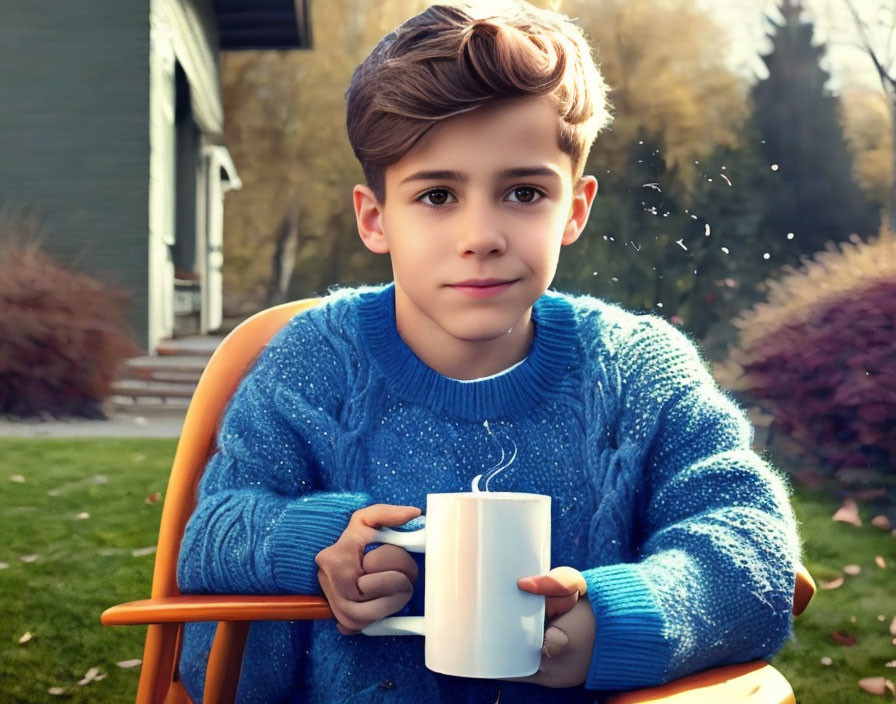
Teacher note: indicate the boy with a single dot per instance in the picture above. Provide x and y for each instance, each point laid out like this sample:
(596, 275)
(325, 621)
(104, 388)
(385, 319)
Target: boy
(676, 542)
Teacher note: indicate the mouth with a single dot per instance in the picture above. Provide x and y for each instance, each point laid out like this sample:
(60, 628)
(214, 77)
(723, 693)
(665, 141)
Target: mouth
(482, 288)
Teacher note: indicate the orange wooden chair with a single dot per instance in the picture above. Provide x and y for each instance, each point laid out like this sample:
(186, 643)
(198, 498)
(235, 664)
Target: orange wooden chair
(167, 610)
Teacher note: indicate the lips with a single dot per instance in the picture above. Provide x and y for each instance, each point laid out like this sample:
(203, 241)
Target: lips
(482, 288)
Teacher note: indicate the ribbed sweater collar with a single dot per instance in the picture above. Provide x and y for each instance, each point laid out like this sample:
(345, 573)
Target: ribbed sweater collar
(554, 351)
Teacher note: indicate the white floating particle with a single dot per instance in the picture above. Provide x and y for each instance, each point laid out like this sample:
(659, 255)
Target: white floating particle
(774, 167)
(680, 243)
(706, 230)
(790, 235)
(725, 250)
(766, 256)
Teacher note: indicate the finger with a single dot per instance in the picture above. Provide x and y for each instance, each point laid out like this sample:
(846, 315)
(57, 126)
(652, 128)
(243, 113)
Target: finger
(555, 642)
(389, 558)
(383, 584)
(560, 581)
(555, 606)
(341, 568)
(357, 615)
(378, 515)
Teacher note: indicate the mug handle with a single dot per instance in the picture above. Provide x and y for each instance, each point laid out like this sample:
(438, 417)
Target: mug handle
(412, 541)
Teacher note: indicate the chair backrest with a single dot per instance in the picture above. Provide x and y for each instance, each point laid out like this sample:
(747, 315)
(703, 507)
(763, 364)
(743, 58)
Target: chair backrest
(223, 373)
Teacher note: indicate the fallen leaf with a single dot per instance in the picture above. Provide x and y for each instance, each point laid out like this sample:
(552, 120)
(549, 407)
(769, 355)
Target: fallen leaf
(26, 636)
(29, 558)
(893, 627)
(843, 638)
(892, 663)
(826, 661)
(82, 516)
(92, 675)
(852, 570)
(56, 691)
(835, 583)
(4, 565)
(153, 498)
(17, 478)
(881, 521)
(128, 664)
(874, 685)
(880, 562)
(881, 618)
(140, 552)
(848, 513)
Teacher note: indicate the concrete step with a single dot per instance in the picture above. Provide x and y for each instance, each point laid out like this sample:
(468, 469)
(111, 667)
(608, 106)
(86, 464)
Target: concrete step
(134, 388)
(194, 345)
(116, 405)
(173, 368)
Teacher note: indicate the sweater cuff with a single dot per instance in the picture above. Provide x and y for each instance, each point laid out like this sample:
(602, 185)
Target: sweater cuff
(630, 650)
(307, 526)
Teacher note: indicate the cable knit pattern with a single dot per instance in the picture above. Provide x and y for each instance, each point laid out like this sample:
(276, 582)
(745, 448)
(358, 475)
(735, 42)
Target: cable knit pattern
(684, 535)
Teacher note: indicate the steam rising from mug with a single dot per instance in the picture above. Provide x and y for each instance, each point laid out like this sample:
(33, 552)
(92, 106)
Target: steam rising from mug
(480, 481)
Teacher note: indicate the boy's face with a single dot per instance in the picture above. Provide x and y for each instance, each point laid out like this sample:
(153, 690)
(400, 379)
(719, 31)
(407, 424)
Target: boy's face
(474, 218)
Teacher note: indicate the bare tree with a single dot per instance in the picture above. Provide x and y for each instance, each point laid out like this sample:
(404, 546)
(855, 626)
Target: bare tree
(878, 46)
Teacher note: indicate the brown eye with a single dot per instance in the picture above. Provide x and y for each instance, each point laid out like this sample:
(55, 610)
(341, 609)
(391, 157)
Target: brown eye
(437, 197)
(525, 194)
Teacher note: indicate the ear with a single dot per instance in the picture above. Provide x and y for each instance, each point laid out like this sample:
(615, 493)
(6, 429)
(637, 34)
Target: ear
(369, 214)
(582, 198)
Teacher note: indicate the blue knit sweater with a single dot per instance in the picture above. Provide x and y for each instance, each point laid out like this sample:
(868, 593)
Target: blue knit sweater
(684, 535)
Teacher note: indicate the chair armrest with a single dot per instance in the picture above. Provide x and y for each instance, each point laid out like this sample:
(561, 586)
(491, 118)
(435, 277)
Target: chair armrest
(803, 590)
(733, 684)
(217, 607)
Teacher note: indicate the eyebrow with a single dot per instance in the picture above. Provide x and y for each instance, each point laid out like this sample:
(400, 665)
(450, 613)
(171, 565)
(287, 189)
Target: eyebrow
(461, 177)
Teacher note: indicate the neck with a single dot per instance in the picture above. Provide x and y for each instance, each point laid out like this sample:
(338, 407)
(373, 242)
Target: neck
(470, 359)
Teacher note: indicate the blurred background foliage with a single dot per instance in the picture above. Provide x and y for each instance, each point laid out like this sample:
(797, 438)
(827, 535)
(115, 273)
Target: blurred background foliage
(718, 192)
(709, 182)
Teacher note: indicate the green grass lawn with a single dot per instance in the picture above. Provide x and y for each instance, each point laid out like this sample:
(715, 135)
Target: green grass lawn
(76, 524)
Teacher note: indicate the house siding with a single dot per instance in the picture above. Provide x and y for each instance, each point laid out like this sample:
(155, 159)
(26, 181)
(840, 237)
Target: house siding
(74, 133)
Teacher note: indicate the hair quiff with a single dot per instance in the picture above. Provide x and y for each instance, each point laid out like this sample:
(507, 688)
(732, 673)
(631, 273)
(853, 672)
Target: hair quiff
(451, 59)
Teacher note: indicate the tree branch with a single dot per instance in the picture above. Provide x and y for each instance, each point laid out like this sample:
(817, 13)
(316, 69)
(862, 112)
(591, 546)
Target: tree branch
(887, 81)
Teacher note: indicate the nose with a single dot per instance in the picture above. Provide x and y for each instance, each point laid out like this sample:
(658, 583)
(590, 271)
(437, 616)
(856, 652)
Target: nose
(481, 232)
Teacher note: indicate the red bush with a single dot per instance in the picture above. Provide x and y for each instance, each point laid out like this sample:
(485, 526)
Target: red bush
(63, 335)
(830, 378)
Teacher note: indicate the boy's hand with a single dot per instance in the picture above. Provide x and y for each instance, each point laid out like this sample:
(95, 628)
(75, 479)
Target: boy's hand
(363, 588)
(569, 628)
(567, 649)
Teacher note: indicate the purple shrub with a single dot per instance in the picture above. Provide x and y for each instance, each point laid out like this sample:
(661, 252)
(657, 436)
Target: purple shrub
(63, 334)
(829, 378)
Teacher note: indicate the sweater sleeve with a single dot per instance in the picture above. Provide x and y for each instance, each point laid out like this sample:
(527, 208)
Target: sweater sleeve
(712, 582)
(261, 517)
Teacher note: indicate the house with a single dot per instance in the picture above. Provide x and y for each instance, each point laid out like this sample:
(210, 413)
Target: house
(111, 132)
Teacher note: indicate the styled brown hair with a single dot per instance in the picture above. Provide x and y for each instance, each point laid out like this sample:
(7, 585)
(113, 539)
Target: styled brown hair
(451, 59)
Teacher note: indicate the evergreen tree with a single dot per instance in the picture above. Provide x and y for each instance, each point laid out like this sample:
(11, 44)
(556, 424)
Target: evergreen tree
(813, 197)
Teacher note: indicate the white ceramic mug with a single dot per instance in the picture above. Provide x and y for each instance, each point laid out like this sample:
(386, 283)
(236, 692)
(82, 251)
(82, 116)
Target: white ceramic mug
(477, 622)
